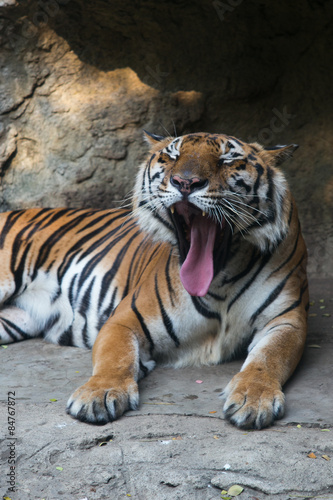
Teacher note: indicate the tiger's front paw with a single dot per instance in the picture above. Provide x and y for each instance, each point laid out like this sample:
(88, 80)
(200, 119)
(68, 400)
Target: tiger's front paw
(99, 401)
(253, 401)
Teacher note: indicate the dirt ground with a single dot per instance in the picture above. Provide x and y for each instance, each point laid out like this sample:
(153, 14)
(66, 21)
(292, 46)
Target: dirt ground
(177, 445)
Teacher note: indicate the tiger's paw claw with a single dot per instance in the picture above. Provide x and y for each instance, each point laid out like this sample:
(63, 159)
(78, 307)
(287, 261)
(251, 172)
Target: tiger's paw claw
(99, 402)
(252, 403)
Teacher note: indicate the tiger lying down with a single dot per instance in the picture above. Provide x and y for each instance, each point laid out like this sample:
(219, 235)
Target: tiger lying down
(210, 259)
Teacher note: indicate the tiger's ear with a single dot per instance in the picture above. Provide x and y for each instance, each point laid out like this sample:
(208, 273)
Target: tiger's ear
(278, 154)
(152, 139)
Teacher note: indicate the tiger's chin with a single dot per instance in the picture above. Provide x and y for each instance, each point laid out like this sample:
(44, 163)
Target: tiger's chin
(203, 245)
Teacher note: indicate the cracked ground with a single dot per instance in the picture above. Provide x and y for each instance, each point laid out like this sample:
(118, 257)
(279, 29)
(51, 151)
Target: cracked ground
(177, 444)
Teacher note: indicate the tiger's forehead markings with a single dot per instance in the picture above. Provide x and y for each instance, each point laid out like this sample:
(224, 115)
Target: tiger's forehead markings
(172, 149)
(235, 150)
(231, 147)
(194, 138)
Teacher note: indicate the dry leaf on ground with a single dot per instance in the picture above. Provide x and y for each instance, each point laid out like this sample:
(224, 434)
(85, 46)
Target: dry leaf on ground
(235, 490)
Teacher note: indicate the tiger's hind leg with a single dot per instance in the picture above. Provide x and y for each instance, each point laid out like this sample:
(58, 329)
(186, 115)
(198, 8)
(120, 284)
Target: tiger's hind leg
(16, 324)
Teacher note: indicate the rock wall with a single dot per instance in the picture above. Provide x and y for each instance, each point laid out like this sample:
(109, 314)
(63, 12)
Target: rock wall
(80, 80)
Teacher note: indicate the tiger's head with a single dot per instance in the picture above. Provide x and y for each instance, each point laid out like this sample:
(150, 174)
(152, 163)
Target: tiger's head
(199, 191)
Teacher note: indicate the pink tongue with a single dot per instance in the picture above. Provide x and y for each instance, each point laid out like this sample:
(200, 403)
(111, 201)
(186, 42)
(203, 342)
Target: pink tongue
(197, 270)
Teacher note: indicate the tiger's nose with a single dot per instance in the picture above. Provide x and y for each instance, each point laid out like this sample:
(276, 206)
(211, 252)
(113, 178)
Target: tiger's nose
(187, 186)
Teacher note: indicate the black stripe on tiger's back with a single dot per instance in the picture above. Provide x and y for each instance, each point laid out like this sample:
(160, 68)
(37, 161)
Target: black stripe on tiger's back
(18, 268)
(54, 238)
(125, 227)
(77, 247)
(56, 215)
(165, 317)
(203, 310)
(18, 271)
(142, 322)
(109, 275)
(40, 212)
(38, 220)
(34, 225)
(106, 214)
(110, 220)
(12, 218)
(97, 258)
(27, 235)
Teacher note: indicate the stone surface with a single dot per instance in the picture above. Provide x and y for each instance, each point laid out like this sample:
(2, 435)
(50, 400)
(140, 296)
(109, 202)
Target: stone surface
(79, 81)
(177, 444)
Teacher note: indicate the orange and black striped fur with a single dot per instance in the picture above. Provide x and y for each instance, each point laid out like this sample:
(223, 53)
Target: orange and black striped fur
(210, 259)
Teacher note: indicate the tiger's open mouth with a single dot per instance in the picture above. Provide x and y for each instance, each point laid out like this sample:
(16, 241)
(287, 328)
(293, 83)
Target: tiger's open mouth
(202, 246)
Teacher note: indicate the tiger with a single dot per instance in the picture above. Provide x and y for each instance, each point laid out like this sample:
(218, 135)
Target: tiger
(207, 261)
